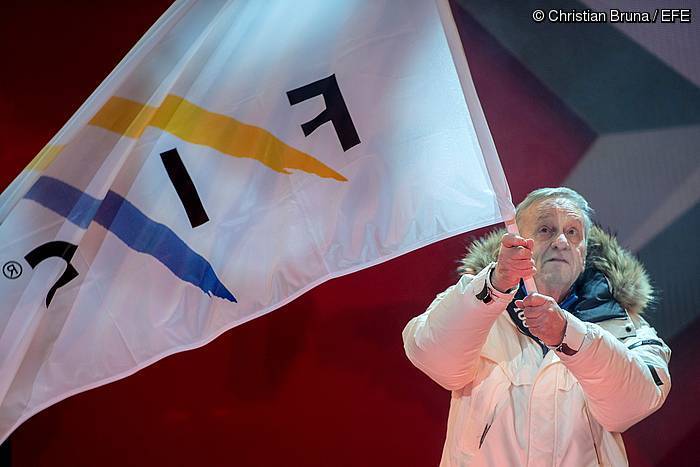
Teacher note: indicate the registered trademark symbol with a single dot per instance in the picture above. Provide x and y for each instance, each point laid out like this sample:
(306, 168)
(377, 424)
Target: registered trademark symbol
(12, 269)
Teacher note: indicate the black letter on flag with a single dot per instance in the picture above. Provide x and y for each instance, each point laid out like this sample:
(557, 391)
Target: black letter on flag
(336, 111)
(184, 187)
(57, 249)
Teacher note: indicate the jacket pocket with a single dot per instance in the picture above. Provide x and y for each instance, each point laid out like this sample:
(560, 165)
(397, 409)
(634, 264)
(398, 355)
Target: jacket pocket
(483, 435)
(590, 430)
(487, 396)
(488, 425)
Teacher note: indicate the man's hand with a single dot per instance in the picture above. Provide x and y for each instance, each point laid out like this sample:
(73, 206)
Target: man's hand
(544, 318)
(514, 261)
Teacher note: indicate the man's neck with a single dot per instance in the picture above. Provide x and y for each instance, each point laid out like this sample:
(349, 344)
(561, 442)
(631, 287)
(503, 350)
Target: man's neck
(557, 291)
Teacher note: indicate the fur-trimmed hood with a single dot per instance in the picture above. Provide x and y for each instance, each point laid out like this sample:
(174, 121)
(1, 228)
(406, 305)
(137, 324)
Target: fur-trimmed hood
(627, 277)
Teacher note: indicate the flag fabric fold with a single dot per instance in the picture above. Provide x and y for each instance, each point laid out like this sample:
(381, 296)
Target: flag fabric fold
(241, 154)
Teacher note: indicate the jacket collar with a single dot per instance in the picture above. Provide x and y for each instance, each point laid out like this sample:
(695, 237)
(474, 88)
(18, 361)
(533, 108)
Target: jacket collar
(590, 299)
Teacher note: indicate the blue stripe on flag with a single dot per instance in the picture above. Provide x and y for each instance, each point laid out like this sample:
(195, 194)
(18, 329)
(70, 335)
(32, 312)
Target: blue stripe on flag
(131, 226)
(63, 199)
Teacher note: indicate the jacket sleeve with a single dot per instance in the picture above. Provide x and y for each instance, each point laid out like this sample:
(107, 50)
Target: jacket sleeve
(445, 341)
(624, 381)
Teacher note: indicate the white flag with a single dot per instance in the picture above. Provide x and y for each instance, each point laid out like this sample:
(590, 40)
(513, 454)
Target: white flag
(241, 154)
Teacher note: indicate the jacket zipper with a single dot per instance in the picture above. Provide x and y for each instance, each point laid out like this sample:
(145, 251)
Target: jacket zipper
(590, 428)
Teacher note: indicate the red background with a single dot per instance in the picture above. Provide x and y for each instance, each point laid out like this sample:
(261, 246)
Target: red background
(322, 381)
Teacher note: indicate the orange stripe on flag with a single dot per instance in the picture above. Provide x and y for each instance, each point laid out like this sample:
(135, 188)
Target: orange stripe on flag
(197, 125)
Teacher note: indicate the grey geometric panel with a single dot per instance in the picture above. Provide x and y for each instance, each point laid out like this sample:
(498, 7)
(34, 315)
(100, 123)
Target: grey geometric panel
(676, 44)
(672, 260)
(609, 80)
(640, 182)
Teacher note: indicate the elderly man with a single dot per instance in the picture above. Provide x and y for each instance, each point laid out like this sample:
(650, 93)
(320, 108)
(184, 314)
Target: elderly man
(547, 378)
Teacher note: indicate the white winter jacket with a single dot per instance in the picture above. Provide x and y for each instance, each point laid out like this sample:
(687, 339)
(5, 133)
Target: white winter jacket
(513, 407)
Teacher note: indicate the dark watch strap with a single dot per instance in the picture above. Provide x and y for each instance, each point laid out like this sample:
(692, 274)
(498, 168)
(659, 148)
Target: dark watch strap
(565, 349)
(485, 294)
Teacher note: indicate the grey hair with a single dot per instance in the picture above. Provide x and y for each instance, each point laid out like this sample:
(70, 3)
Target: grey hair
(561, 192)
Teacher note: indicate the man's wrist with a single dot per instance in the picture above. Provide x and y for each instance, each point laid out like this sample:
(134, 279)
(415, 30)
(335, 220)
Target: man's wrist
(573, 338)
(485, 290)
(563, 334)
(503, 290)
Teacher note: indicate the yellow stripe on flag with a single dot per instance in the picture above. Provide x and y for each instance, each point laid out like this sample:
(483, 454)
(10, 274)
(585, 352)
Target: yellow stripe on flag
(45, 157)
(196, 125)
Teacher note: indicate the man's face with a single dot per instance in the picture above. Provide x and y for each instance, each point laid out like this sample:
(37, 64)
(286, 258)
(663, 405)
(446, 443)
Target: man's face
(557, 227)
